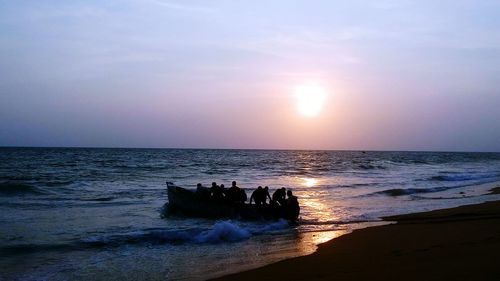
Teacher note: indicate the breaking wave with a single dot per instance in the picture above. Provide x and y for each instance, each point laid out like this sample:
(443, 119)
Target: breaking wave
(220, 232)
(223, 231)
(458, 181)
(464, 177)
(411, 191)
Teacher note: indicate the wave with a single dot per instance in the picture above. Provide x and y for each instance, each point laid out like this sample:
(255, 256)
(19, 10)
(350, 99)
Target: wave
(15, 188)
(223, 231)
(57, 183)
(98, 199)
(138, 167)
(411, 191)
(14, 178)
(278, 225)
(220, 232)
(354, 185)
(49, 181)
(371, 167)
(478, 179)
(463, 177)
(34, 248)
(314, 222)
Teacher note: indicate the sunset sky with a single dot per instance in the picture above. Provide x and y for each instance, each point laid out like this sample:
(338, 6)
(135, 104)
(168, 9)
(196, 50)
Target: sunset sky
(376, 75)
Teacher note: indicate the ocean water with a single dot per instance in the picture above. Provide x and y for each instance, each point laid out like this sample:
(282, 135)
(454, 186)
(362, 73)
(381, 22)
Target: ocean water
(95, 214)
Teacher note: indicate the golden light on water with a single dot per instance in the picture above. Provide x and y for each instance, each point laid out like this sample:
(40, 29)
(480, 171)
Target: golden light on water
(324, 236)
(309, 182)
(322, 214)
(309, 241)
(310, 98)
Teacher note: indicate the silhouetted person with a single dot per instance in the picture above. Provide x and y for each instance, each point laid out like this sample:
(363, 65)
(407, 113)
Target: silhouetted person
(242, 195)
(257, 196)
(216, 192)
(235, 194)
(279, 197)
(265, 195)
(260, 196)
(202, 192)
(223, 189)
(292, 208)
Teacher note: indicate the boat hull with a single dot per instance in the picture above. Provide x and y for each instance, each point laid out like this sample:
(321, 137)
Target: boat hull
(188, 203)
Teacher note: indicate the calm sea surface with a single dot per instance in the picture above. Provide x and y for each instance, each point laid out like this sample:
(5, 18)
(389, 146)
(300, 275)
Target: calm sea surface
(95, 214)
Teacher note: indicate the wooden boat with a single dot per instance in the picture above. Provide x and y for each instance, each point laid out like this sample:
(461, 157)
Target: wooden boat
(186, 202)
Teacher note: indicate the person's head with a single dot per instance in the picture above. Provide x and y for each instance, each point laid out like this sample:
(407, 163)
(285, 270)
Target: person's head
(289, 193)
(198, 185)
(214, 183)
(260, 187)
(222, 185)
(266, 188)
(234, 183)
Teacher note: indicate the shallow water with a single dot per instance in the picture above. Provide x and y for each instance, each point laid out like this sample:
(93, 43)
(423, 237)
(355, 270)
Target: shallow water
(85, 214)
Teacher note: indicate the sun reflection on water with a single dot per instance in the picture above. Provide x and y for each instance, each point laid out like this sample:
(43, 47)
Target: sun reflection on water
(309, 182)
(320, 219)
(316, 210)
(324, 236)
(309, 241)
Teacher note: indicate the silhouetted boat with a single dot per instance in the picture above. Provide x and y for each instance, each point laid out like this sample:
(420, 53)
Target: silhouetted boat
(188, 203)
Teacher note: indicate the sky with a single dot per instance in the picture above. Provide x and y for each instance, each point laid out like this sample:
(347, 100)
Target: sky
(396, 75)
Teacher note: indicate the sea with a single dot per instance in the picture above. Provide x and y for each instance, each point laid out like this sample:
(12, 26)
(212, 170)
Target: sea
(97, 213)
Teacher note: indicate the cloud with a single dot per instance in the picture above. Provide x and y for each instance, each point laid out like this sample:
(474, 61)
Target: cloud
(181, 6)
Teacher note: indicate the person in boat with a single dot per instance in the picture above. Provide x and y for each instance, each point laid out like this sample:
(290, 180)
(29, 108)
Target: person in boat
(257, 196)
(292, 208)
(243, 195)
(202, 191)
(279, 197)
(223, 189)
(216, 192)
(266, 195)
(260, 195)
(235, 194)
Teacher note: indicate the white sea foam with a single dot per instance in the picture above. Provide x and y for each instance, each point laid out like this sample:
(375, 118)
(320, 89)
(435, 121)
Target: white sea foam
(222, 232)
(279, 225)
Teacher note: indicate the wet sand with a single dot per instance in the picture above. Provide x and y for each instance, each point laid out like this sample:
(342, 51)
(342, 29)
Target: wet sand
(452, 244)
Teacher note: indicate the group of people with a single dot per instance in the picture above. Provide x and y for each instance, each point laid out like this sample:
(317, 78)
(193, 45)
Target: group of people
(219, 193)
(236, 195)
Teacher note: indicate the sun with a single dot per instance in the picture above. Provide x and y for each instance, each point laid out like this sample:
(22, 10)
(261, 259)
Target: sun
(310, 98)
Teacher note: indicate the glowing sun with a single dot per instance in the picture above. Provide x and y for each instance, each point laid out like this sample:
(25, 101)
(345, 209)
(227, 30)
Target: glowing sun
(310, 99)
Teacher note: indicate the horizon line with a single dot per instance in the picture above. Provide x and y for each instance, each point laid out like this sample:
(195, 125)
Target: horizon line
(257, 149)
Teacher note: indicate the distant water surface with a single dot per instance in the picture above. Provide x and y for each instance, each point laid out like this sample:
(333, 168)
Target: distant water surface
(94, 214)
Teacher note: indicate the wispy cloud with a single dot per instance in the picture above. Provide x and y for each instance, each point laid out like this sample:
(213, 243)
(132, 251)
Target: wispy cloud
(182, 6)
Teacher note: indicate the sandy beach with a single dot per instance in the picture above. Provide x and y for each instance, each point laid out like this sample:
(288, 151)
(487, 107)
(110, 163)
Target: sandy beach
(452, 244)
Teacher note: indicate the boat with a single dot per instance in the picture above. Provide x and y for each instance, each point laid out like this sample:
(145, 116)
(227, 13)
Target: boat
(182, 201)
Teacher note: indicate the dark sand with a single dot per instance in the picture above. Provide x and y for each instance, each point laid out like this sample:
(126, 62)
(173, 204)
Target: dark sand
(453, 244)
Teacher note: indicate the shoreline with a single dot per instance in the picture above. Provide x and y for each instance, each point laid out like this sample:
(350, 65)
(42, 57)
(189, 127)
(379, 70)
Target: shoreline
(460, 243)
